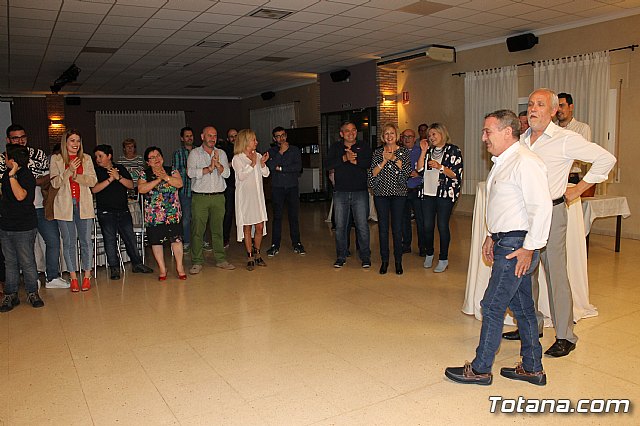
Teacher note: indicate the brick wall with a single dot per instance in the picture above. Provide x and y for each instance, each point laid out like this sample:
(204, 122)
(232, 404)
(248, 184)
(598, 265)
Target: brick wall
(387, 85)
(55, 111)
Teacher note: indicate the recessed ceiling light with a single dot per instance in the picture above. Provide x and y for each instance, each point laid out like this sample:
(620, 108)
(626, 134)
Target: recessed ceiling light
(271, 13)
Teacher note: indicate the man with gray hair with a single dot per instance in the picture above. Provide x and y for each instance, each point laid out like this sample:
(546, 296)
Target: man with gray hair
(518, 219)
(558, 148)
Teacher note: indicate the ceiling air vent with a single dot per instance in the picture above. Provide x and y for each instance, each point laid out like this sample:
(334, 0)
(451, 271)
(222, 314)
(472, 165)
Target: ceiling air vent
(270, 13)
(429, 55)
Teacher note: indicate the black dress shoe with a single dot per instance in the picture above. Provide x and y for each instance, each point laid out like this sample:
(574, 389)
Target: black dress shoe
(467, 375)
(399, 270)
(561, 347)
(383, 268)
(515, 335)
(141, 268)
(538, 378)
(115, 273)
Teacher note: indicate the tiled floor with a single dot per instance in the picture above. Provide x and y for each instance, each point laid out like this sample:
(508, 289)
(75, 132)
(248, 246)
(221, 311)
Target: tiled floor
(299, 343)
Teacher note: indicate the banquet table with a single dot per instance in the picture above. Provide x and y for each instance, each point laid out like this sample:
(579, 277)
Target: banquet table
(605, 206)
(478, 272)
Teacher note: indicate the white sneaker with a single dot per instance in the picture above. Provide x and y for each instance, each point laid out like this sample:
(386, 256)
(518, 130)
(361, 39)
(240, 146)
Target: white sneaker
(57, 283)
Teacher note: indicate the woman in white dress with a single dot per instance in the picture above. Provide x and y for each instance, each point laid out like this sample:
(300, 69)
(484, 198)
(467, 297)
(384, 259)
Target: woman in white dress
(250, 167)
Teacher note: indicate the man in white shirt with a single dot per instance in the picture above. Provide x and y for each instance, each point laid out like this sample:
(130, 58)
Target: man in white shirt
(567, 120)
(558, 148)
(207, 166)
(518, 220)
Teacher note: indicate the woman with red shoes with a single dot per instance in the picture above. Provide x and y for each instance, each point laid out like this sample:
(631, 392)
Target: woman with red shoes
(73, 174)
(162, 211)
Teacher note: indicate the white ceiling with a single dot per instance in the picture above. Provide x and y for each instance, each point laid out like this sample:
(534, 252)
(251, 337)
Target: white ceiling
(153, 41)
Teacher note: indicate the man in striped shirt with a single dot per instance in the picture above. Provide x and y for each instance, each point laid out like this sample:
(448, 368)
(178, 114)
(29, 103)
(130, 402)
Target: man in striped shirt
(179, 163)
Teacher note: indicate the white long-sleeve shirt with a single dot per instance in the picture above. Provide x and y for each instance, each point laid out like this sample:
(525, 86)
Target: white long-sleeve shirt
(558, 148)
(211, 182)
(518, 197)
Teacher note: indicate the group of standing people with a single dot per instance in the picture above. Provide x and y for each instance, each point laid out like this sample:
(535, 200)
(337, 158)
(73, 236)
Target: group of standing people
(403, 175)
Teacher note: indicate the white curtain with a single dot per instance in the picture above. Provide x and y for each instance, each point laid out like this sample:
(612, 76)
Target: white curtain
(586, 78)
(148, 128)
(484, 92)
(263, 120)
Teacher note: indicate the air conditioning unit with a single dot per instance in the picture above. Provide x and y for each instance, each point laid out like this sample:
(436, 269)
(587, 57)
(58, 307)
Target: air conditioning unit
(433, 54)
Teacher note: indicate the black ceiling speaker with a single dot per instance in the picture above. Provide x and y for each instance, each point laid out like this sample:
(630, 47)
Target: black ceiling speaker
(340, 75)
(267, 95)
(521, 42)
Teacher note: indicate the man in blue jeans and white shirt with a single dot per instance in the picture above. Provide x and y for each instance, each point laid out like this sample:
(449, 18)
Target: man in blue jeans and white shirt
(518, 221)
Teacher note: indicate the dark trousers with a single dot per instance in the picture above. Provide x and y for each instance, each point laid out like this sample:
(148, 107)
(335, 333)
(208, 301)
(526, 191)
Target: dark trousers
(279, 197)
(413, 204)
(390, 210)
(437, 208)
(229, 212)
(112, 223)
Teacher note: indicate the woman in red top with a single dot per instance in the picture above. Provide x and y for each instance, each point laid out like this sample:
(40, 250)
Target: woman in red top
(73, 174)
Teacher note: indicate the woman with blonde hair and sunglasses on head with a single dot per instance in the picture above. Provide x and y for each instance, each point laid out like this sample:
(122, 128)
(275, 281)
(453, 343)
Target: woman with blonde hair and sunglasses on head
(73, 174)
(250, 168)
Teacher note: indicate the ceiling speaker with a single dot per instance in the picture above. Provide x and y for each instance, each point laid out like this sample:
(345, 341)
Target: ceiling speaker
(338, 76)
(267, 95)
(521, 42)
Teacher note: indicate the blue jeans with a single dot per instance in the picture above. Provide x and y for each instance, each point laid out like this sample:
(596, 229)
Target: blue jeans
(437, 208)
(507, 290)
(50, 233)
(77, 230)
(356, 202)
(413, 204)
(290, 196)
(185, 204)
(394, 207)
(17, 247)
(112, 222)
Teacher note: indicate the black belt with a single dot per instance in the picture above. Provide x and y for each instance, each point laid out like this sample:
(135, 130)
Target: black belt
(207, 193)
(500, 235)
(558, 201)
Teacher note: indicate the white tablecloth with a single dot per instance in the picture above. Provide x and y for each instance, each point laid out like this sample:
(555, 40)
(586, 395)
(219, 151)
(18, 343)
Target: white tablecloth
(478, 272)
(603, 206)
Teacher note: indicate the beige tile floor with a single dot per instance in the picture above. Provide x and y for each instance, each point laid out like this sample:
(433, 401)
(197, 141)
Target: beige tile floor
(300, 343)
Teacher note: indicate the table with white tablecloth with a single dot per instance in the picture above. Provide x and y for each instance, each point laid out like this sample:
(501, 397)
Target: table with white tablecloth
(605, 206)
(478, 272)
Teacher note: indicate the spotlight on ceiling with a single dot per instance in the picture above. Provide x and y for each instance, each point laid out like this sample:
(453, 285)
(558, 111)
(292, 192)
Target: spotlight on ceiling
(68, 76)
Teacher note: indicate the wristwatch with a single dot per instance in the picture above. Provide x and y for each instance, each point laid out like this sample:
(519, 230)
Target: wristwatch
(441, 168)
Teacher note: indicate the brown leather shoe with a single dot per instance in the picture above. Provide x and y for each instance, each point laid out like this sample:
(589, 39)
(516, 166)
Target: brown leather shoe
(467, 375)
(538, 378)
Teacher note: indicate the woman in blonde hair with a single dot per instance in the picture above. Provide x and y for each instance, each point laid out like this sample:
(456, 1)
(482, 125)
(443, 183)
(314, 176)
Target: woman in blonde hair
(250, 167)
(72, 173)
(442, 165)
(388, 174)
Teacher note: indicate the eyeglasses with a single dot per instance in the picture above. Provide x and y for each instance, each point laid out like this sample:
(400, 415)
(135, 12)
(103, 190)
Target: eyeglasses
(154, 157)
(18, 138)
(407, 137)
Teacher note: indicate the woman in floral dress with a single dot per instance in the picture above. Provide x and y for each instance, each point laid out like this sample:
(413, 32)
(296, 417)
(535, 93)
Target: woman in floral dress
(162, 213)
